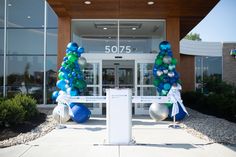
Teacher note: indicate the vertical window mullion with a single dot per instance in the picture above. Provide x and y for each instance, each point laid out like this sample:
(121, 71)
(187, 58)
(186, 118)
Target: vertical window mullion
(44, 52)
(4, 48)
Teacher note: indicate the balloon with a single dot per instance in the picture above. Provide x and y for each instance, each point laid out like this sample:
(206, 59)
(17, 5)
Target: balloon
(72, 92)
(158, 112)
(61, 84)
(167, 86)
(165, 71)
(167, 59)
(171, 67)
(80, 84)
(156, 82)
(179, 116)
(171, 74)
(80, 113)
(72, 47)
(158, 61)
(80, 50)
(174, 61)
(169, 53)
(159, 72)
(72, 58)
(164, 92)
(82, 61)
(65, 58)
(55, 95)
(61, 113)
(164, 46)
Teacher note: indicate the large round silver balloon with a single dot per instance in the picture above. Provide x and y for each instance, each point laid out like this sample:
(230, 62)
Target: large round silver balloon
(61, 113)
(158, 112)
(167, 59)
(82, 62)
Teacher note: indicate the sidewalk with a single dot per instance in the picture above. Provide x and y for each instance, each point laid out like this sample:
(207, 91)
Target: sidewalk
(87, 140)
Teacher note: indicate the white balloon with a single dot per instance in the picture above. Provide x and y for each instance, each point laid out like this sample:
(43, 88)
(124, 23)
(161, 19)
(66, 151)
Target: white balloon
(82, 61)
(159, 72)
(165, 71)
(158, 112)
(167, 59)
(171, 74)
(61, 113)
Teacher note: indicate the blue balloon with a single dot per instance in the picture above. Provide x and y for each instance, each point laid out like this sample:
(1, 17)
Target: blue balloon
(65, 58)
(170, 53)
(167, 86)
(173, 80)
(80, 50)
(80, 113)
(72, 91)
(179, 116)
(61, 84)
(161, 53)
(55, 95)
(164, 46)
(72, 46)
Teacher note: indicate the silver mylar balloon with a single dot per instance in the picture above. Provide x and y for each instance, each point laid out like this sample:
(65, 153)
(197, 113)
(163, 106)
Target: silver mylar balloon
(61, 113)
(159, 72)
(171, 74)
(82, 61)
(158, 112)
(167, 59)
(165, 71)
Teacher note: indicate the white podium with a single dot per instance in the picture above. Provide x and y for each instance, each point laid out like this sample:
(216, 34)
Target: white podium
(119, 116)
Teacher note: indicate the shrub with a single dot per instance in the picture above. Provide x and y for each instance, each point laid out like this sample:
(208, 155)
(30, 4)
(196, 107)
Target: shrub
(11, 112)
(28, 104)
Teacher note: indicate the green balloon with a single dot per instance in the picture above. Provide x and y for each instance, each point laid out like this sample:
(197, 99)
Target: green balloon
(156, 82)
(63, 64)
(158, 61)
(60, 76)
(80, 84)
(72, 58)
(174, 61)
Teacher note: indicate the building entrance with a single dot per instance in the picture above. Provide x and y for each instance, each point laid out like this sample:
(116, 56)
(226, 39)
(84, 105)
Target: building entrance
(117, 74)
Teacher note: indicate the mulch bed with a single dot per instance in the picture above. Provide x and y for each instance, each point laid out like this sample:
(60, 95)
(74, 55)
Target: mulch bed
(13, 131)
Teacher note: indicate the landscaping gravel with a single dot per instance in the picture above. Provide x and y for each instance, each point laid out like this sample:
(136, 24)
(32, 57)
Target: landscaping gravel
(210, 128)
(203, 126)
(39, 131)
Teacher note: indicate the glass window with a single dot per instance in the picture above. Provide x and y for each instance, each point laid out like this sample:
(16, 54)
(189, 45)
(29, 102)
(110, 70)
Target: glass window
(145, 76)
(51, 17)
(25, 41)
(146, 91)
(141, 36)
(25, 75)
(2, 6)
(51, 77)
(52, 41)
(1, 75)
(25, 13)
(96, 36)
(91, 91)
(91, 73)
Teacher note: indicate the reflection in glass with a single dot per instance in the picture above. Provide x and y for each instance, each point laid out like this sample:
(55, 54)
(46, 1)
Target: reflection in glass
(1, 41)
(1, 75)
(25, 75)
(126, 76)
(2, 4)
(25, 13)
(52, 41)
(108, 76)
(51, 77)
(25, 41)
(91, 73)
(145, 76)
(52, 20)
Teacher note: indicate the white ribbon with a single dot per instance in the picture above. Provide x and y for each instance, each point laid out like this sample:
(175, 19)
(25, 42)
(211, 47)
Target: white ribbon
(175, 96)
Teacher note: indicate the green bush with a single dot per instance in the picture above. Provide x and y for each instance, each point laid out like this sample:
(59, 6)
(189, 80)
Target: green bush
(11, 112)
(17, 109)
(29, 105)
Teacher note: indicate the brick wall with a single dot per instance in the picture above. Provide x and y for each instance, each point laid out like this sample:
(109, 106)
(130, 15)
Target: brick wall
(229, 63)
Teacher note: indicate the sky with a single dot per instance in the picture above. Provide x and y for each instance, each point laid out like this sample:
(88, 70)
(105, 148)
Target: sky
(220, 24)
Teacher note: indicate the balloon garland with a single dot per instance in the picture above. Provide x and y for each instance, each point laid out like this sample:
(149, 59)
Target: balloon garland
(71, 80)
(165, 75)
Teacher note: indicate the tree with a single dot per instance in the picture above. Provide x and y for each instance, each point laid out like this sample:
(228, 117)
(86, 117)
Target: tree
(193, 36)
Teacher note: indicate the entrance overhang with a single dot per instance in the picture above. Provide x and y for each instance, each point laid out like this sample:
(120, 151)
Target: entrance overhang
(190, 13)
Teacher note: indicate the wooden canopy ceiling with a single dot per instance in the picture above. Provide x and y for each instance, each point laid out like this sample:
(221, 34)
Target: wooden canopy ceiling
(190, 12)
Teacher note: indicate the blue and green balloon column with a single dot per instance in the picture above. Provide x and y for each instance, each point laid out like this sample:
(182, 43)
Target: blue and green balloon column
(71, 80)
(165, 74)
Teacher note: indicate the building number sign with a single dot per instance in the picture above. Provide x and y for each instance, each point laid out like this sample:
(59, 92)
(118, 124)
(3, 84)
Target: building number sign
(114, 49)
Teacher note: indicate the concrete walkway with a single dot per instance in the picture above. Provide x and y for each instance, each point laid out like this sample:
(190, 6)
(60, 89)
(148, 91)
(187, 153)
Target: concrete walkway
(87, 140)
